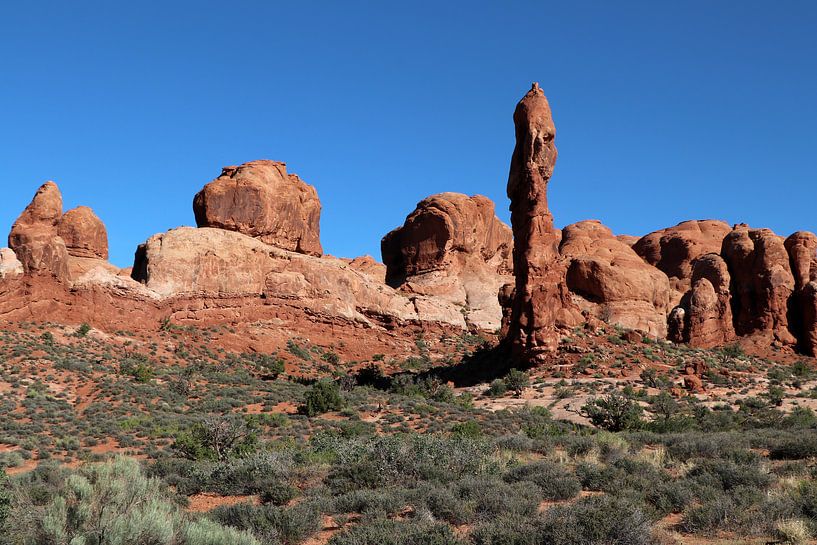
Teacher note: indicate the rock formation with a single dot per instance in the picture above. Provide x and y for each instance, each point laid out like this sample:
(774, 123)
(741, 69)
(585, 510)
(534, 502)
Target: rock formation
(704, 318)
(9, 264)
(84, 233)
(612, 282)
(215, 263)
(674, 249)
(802, 249)
(261, 200)
(34, 237)
(762, 282)
(453, 247)
(539, 291)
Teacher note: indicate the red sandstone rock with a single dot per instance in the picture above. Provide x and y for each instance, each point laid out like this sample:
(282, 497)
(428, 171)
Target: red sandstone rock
(802, 249)
(629, 240)
(453, 247)
(674, 249)
(540, 293)
(705, 311)
(762, 282)
(612, 282)
(34, 238)
(368, 265)
(807, 300)
(261, 200)
(84, 233)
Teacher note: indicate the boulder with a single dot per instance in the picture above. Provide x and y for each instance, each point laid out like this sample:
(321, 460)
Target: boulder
(612, 282)
(674, 249)
(84, 233)
(539, 294)
(261, 200)
(453, 247)
(762, 283)
(34, 237)
(9, 264)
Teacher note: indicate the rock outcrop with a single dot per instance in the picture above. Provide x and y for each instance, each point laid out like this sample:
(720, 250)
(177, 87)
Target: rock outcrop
(84, 233)
(802, 249)
(540, 293)
(216, 263)
(260, 199)
(762, 283)
(455, 248)
(34, 237)
(675, 248)
(9, 264)
(611, 282)
(67, 246)
(704, 318)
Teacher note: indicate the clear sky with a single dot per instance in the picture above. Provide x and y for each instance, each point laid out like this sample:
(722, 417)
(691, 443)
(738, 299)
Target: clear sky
(665, 111)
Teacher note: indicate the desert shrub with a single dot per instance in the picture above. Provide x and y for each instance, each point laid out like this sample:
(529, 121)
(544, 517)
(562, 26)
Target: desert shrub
(555, 482)
(471, 428)
(322, 397)
(270, 524)
(217, 438)
(82, 330)
(795, 448)
(98, 500)
(372, 503)
(498, 388)
(448, 506)
(729, 475)
(516, 381)
(388, 532)
(406, 460)
(793, 532)
(506, 530)
(5, 502)
(596, 520)
(207, 532)
(613, 412)
(490, 498)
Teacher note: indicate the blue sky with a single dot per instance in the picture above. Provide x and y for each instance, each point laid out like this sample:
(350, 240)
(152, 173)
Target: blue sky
(665, 111)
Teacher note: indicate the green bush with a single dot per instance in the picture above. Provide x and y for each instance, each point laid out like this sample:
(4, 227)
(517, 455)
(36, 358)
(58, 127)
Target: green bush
(516, 381)
(498, 388)
(113, 500)
(322, 397)
(555, 482)
(613, 412)
(270, 524)
(388, 532)
(598, 520)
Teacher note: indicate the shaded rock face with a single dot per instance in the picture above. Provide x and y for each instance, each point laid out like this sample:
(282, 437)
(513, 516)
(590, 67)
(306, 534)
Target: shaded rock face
(9, 264)
(704, 318)
(539, 291)
(802, 249)
(674, 249)
(84, 233)
(453, 246)
(612, 282)
(260, 199)
(762, 282)
(216, 263)
(34, 237)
